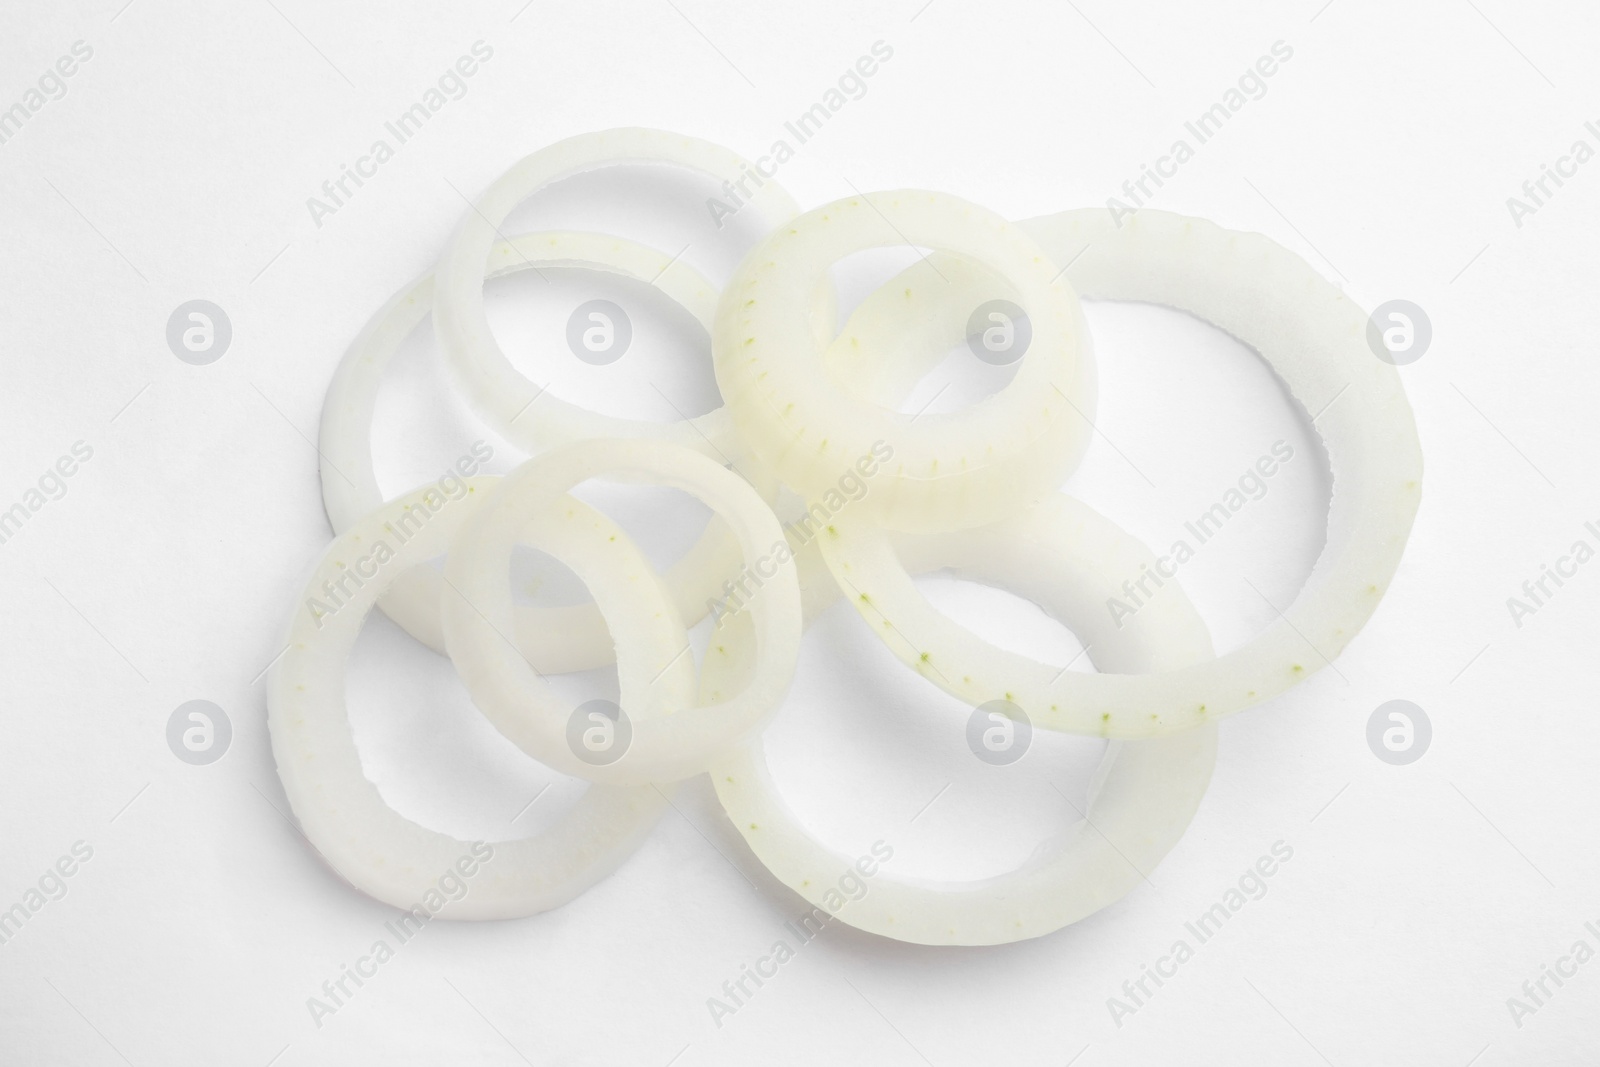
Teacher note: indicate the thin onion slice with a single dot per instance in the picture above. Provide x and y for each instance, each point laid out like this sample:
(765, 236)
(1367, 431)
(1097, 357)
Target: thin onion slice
(341, 812)
(498, 391)
(1315, 338)
(670, 739)
(948, 471)
(1144, 793)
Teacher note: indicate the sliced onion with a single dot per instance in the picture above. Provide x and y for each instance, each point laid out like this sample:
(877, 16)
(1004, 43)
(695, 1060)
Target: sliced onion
(941, 471)
(500, 393)
(1067, 558)
(374, 847)
(554, 639)
(900, 326)
(1315, 338)
(670, 739)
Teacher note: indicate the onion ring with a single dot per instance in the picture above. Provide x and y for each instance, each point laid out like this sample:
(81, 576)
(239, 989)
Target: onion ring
(671, 739)
(554, 639)
(1315, 338)
(949, 471)
(1144, 794)
(341, 812)
(498, 391)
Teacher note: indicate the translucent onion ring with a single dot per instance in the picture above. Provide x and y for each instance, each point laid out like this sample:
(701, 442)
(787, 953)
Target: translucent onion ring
(498, 391)
(949, 471)
(1066, 557)
(554, 639)
(374, 847)
(1315, 338)
(671, 739)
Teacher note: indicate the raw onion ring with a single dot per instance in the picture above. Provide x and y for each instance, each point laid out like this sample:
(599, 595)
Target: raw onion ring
(949, 471)
(341, 812)
(1063, 555)
(1315, 338)
(554, 639)
(498, 391)
(671, 739)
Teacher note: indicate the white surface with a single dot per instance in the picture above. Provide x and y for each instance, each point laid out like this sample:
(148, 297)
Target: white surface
(177, 166)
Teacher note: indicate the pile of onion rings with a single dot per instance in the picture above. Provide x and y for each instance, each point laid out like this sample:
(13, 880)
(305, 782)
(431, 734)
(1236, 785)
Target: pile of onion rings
(976, 492)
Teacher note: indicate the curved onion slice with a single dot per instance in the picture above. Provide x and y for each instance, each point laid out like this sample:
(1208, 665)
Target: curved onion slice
(553, 639)
(1068, 558)
(671, 739)
(371, 845)
(1315, 338)
(497, 390)
(948, 471)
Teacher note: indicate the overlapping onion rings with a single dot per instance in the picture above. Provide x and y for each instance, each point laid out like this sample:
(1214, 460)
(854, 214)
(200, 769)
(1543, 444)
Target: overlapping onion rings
(1315, 338)
(340, 810)
(976, 492)
(1066, 557)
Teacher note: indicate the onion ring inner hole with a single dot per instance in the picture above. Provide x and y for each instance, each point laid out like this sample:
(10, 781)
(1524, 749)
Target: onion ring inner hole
(1165, 375)
(434, 757)
(421, 425)
(862, 745)
(552, 330)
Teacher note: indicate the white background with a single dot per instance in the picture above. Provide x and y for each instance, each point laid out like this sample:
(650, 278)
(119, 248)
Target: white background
(177, 166)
